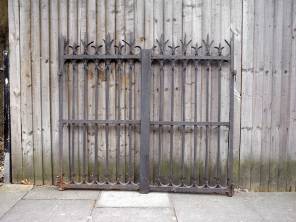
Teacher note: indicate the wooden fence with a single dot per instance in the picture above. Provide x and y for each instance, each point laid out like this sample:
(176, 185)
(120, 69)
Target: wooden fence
(265, 87)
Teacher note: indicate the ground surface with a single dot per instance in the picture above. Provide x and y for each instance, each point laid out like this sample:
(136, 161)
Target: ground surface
(1, 159)
(24, 203)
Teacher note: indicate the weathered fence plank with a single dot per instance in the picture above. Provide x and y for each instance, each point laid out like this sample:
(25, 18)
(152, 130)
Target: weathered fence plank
(264, 150)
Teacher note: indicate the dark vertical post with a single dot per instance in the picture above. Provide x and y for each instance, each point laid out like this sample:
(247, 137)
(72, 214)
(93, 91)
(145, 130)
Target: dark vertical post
(7, 132)
(231, 112)
(61, 77)
(145, 119)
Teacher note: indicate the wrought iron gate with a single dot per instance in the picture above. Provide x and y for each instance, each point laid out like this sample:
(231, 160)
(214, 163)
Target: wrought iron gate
(123, 122)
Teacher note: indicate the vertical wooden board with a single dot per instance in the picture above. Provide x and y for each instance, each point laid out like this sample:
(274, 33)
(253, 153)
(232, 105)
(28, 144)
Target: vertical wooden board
(15, 89)
(166, 102)
(257, 94)
(266, 97)
(91, 35)
(110, 28)
(158, 31)
(291, 151)
(54, 69)
(26, 91)
(140, 41)
(72, 36)
(176, 37)
(120, 35)
(285, 93)
(206, 30)
(36, 93)
(45, 92)
(226, 10)
(148, 44)
(82, 80)
(214, 92)
(63, 31)
(247, 94)
(187, 11)
(236, 27)
(101, 15)
(276, 96)
(197, 39)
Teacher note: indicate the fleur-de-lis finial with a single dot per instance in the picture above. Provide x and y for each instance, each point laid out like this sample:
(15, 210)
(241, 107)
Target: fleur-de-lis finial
(74, 48)
(108, 43)
(196, 49)
(219, 48)
(173, 48)
(184, 45)
(131, 44)
(208, 45)
(97, 48)
(85, 46)
(162, 44)
(119, 48)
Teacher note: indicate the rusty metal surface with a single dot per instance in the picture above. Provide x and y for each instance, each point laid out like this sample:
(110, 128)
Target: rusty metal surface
(125, 56)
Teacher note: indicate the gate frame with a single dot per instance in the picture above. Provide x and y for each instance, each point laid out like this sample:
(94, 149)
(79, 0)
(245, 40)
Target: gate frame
(146, 57)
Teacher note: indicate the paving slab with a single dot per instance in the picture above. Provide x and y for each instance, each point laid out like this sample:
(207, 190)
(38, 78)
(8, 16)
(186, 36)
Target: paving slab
(210, 208)
(272, 206)
(132, 199)
(50, 211)
(10, 194)
(133, 215)
(52, 193)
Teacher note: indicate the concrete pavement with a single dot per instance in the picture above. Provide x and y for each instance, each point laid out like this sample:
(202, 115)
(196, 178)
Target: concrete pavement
(27, 203)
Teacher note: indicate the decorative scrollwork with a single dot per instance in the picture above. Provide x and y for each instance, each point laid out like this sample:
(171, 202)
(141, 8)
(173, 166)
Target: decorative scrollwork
(219, 49)
(173, 48)
(86, 46)
(108, 43)
(184, 45)
(162, 44)
(97, 48)
(74, 48)
(208, 44)
(196, 49)
(119, 48)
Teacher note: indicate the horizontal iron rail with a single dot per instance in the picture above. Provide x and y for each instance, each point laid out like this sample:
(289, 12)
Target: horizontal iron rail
(102, 57)
(101, 122)
(188, 57)
(182, 123)
(137, 122)
(205, 190)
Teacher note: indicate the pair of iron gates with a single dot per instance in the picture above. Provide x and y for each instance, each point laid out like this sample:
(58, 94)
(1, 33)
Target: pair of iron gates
(146, 119)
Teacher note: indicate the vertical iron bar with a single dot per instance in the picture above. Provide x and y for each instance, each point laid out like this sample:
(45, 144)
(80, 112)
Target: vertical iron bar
(74, 97)
(130, 118)
(107, 73)
(117, 99)
(145, 119)
(194, 174)
(96, 177)
(218, 167)
(231, 113)
(7, 129)
(85, 104)
(207, 127)
(172, 119)
(183, 76)
(160, 132)
(61, 96)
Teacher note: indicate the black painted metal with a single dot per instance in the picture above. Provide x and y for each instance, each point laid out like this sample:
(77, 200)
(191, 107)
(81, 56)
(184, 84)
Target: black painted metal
(7, 128)
(122, 59)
